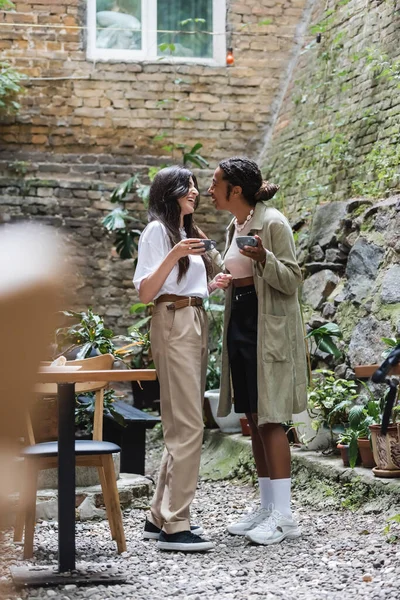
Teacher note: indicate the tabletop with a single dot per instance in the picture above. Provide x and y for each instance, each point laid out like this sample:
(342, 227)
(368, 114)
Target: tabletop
(63, 376)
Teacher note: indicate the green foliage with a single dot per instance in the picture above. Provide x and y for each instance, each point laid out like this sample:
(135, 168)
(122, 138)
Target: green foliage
(323, 338)
(85, 406)
(88, 333)
(180, 33)
(10, 80)
(391, 343)
(140, 334)
(330, 400)
(392, 529)
(380, 170)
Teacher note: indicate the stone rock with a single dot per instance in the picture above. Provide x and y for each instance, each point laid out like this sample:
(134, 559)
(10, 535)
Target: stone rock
(326, 222)
(365, 346)
(329, 310)
(318, 287)
(362, 268)
(316, 321)
(349, 241)
(334, 255)
(87, 510)
(316, 253)
(390, 293)
(320, 266)
(340, 371)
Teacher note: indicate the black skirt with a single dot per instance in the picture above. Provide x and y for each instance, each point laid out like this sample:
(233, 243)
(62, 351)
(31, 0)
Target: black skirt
(242, 349)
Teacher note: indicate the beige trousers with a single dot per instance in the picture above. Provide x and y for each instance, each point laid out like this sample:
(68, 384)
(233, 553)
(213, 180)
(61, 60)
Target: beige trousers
(179, 343)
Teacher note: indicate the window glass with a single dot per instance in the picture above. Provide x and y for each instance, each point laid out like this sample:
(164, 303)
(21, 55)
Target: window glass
(181, 28)
(119, 24)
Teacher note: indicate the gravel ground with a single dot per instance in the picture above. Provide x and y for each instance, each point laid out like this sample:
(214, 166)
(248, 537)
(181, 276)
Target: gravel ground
(340, 555)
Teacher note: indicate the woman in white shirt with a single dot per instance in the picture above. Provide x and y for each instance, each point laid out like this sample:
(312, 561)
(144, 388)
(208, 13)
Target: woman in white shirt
(172, 270)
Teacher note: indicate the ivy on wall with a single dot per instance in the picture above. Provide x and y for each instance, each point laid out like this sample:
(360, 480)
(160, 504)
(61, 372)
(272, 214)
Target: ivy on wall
(339, 131)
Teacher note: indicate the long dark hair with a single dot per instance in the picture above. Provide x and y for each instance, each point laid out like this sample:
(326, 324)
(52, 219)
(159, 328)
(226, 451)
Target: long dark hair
(168, 186)
(245, 173)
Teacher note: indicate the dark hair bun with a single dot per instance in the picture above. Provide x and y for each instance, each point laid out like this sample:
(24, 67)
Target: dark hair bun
(266, 191)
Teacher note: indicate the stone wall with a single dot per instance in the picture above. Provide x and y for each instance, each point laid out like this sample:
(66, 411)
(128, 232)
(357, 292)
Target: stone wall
(335, 151)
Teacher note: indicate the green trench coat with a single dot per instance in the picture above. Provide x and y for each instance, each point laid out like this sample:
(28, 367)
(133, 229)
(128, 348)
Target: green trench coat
(281, 356)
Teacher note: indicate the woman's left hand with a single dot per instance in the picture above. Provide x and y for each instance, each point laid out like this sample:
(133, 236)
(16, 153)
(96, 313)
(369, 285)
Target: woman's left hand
(257, 253)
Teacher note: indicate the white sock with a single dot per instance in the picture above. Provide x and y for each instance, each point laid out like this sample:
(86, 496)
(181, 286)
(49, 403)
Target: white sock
(266, 496)
(281, 495)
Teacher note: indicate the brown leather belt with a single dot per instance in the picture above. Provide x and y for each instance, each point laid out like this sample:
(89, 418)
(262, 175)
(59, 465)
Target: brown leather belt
(178, 302)
(245, 281)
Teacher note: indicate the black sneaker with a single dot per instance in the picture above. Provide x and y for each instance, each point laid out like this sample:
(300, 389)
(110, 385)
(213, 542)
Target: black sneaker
(152, 532)
(183, 541)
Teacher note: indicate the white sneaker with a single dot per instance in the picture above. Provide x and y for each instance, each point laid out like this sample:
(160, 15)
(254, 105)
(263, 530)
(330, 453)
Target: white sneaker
(249, 521)
(274, 530)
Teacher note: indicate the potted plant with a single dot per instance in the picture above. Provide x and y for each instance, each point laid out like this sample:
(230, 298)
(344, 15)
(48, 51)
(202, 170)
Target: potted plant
(329, 402)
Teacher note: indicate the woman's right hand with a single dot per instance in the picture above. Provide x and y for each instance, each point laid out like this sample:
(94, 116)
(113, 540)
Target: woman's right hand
(188, 246)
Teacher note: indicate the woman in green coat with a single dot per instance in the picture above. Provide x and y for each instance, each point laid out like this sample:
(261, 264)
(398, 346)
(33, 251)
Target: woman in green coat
(263, 357)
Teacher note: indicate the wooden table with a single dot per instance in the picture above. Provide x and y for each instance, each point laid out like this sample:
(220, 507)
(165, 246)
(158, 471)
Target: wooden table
(66, 381)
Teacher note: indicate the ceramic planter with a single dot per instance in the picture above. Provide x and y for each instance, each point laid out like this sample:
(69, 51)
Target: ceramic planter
(386, 451)
(229, 424)
(365, 450)
(245, 426)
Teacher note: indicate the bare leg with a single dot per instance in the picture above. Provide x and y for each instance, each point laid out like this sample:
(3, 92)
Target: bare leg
(258, 446)
(277, 450)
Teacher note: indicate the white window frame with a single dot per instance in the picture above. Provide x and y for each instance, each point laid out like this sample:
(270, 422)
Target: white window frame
(149, 39)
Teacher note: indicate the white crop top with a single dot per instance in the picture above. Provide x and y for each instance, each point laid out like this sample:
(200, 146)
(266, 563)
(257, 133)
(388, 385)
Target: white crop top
(239, 266)
(153, 248)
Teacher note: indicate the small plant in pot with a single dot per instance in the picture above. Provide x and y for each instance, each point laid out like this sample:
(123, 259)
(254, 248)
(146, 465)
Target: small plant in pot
(329, 403)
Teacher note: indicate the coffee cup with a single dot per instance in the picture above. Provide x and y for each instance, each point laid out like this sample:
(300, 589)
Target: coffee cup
(209, 244)
(246, 240)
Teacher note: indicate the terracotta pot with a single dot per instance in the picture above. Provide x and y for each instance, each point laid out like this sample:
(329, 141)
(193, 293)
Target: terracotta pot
(365, 450)
(344, 453)
(386, 450)
(244, 424)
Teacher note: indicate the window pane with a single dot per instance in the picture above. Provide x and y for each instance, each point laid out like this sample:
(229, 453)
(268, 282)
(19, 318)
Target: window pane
(185, 22)
(118, 24)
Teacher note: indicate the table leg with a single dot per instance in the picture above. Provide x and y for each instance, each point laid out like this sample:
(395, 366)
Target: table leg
(66, 477)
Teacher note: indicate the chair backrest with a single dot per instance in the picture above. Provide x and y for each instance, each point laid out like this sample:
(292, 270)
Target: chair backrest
(44, 426)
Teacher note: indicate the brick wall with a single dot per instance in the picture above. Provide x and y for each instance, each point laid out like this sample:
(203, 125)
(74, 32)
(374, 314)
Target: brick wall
(85, 126)
(75, 105)
(338, 131)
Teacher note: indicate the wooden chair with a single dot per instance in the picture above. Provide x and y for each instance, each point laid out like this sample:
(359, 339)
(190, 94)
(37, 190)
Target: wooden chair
(88, 453)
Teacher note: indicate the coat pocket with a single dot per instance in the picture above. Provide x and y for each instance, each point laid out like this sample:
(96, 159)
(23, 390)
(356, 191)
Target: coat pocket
(275, 341)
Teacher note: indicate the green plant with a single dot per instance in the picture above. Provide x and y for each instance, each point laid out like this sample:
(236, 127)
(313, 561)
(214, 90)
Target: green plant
(391, 343)
(84, 410)
(10, 80)
(89, 334)
(323, 337)
(390, 522)
(330, 400)
(140, 335)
